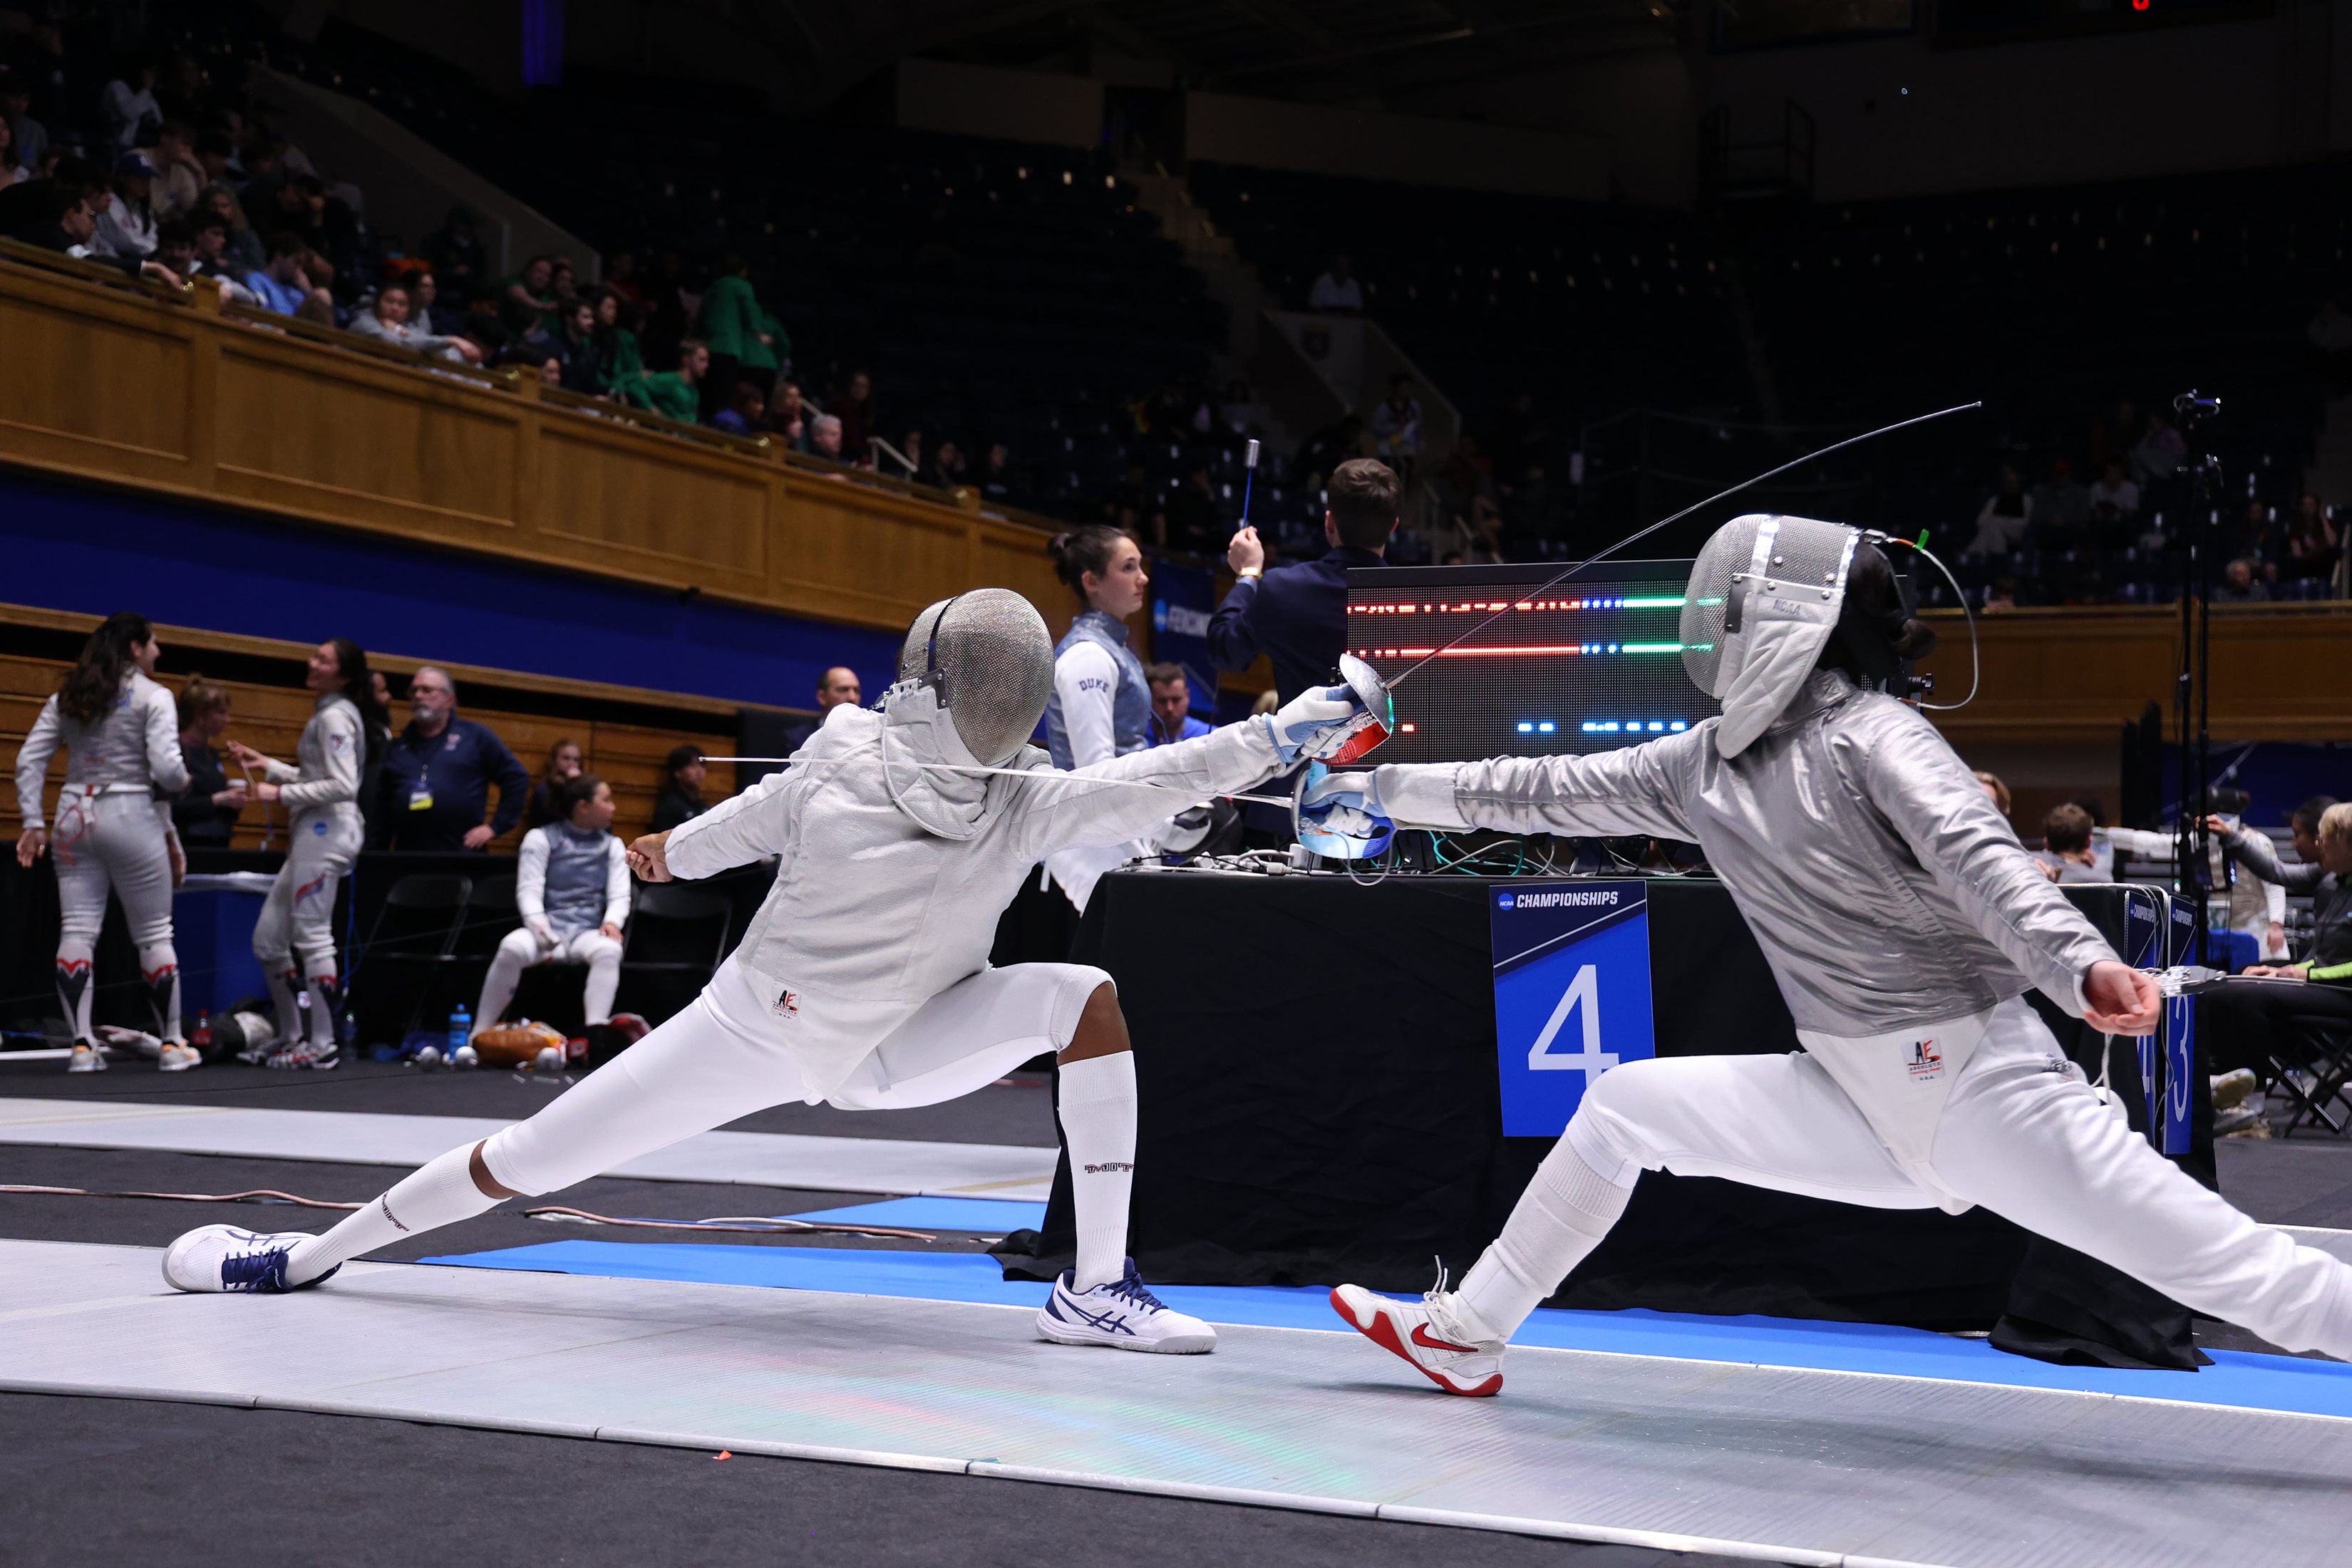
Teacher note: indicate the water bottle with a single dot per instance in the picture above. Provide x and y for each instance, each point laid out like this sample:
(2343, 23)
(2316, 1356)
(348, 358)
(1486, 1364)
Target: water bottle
(347, 1028)
(461, 1028)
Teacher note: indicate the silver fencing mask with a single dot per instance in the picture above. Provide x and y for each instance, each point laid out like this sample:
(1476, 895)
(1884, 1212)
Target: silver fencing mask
(1762, 602)
(989, 663)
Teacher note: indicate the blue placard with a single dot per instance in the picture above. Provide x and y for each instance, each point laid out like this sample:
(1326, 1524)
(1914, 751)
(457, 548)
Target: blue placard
(2179, 1067)
(1572, 994)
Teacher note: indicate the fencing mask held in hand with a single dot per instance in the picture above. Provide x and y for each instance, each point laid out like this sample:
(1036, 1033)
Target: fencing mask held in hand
(989, 663)
(1763, 599)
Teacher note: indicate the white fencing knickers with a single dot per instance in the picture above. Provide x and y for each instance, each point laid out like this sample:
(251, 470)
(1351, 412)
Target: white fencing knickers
(726, 1056)
(114, 838)
(298, 920)
(2019, 1134)
(521, 950)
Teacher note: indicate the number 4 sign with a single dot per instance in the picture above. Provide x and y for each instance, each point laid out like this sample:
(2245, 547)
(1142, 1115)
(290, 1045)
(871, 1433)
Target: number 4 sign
(1572, 994)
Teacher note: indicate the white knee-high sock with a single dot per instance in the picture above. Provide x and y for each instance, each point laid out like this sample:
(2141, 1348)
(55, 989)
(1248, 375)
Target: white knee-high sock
(604, 981)
(1559, 1219)
(498, 990)
(1099, 1130)
(74, 968)
(318, 979)
(281, 975)
(441, 1192)
(159, 966)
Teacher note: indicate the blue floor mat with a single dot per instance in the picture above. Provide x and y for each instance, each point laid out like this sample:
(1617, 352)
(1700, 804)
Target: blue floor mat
(2238, 1378)
(997, 1217)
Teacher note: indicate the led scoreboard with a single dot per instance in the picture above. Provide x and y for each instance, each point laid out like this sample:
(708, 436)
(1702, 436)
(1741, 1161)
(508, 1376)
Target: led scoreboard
(1588, 666)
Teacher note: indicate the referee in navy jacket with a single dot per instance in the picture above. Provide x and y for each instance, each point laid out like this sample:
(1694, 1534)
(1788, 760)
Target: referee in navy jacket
(438, 775)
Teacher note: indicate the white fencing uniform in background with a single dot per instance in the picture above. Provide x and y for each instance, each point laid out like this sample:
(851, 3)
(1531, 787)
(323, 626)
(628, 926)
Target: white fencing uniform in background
(297, 927)
(112, 831)
(568, 884)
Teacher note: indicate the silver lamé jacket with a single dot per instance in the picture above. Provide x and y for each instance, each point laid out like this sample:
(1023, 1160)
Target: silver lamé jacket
(1885, 888)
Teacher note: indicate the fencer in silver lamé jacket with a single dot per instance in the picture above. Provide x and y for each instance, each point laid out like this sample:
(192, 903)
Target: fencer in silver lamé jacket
(1884, 887)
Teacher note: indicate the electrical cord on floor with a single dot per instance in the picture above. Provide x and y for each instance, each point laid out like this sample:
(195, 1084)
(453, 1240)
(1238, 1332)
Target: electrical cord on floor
(743, 1222)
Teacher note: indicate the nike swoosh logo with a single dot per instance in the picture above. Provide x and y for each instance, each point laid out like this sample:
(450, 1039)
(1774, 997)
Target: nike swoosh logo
(1422, 1336)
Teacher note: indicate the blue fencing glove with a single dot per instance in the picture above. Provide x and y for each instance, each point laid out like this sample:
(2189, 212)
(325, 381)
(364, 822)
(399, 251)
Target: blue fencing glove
(1340, 816)
(1316, 722)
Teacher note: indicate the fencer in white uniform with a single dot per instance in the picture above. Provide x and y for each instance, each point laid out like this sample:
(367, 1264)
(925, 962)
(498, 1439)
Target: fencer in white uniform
(295, 936)
(1904, 923)
(572, 888)
(121, 732)
(863, 981)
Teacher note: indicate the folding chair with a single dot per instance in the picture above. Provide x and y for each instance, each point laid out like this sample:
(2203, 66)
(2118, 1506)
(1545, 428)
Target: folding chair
(2330, 1071)
(415, 932)
(677, 935)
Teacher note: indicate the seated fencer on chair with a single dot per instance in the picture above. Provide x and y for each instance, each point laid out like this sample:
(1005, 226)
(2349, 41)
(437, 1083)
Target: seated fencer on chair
(572, 888)
(902, 833)
(1903, 922)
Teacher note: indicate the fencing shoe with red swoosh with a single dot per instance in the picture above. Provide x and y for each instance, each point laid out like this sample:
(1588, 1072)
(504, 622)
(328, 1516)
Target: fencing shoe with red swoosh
(1436, 1334)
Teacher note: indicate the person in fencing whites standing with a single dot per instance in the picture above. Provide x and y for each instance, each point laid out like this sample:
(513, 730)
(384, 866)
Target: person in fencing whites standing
(121, 732)
(1904, 923)
(863, 981)
(323, 832)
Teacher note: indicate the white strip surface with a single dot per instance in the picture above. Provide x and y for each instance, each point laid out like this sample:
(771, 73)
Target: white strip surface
(1767, 1464)
(366, 1138)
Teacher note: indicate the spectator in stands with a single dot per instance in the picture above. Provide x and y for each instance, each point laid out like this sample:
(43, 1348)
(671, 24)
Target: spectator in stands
(2159, 454)
(126, 225)
(2259, 540)
(1995, 791)
(200, 249)
(946, 467)
(564, 285)
(997, 478)
(835, 686)
(1172, 704)
(216, 156)
(11, 170)
(580, 365)
(2066, 854)
(741, 336)
(911, 449)
(571, 889)
(1298, 615)
(55, 214)
(428, 313)
(387, 321)
(127, 106)
(206, 815)
(2001, 595)
(245, 252)
(1337, 292)
(486, 326)
(1188, 520)
(2115, 500)
(284, 287)
(788, 418)
(621, 278)
(620, 362)
(824, 438)
(566, 761)
(677, 392)
(745, 412)
(455, 253)
(25, 134)
(680, 799)
(1396, 425)
(2240, 585)
(854, 407)
(2252, 1026)
(2313, 545)
(438, 772)
(2061, 508)
(2004, 519)
(526, 299)
(179, 177)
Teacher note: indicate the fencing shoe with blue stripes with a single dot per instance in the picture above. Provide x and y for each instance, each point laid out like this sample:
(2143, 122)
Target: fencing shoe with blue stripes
(222, 1258)
(1124, 1315)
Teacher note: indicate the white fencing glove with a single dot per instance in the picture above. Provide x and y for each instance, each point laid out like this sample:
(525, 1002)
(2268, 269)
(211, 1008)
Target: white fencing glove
(1315, 721)
(1340, 816)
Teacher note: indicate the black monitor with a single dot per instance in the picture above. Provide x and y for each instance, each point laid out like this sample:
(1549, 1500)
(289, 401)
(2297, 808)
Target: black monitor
(1589, 666)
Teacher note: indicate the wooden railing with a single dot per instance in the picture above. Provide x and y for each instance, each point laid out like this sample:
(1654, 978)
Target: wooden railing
(171, 391)
(2278, 672)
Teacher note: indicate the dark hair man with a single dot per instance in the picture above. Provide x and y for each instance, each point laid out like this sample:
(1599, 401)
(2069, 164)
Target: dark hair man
(680, 800)
(1172, 704)
(833, 688)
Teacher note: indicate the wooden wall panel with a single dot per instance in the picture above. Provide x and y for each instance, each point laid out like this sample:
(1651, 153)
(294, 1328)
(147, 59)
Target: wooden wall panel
(605, 495)
(295, 421)
(93, 377)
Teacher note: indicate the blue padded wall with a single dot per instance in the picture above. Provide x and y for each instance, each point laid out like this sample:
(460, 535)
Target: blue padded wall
(95, 550)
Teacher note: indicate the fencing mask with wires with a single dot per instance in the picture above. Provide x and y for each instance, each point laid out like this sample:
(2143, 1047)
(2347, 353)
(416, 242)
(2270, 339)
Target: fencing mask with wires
(1763, 600)
(988, 662)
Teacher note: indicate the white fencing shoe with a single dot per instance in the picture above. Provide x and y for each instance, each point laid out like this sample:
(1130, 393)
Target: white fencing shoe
(178, 1055)
(1429, 1333)
(86, 1058)
(1124, 1315)
(222, 1257)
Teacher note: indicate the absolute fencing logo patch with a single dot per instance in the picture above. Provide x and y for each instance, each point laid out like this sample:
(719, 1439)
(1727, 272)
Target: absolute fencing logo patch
(1927, 1062)
(788, 1005)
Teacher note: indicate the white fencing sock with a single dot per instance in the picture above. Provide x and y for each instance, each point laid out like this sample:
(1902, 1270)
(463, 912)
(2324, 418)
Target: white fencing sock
(1099, 1130)
(441, 1192)
(1559, 1219)
(283, 1010)
(159, 966)
(74, 956)
(320, 983)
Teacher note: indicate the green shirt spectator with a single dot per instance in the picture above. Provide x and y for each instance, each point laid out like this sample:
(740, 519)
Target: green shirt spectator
(678, 393)
(527, 301)
(733, 322)
(620, 358)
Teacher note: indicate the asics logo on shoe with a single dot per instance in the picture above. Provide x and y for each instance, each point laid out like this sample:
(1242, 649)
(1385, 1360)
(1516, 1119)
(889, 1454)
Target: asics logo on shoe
(1106, 1167)
(1429, 1341)
(1110, 1321)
